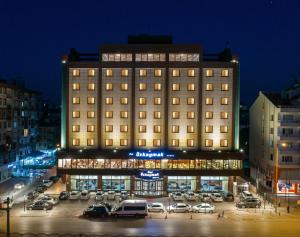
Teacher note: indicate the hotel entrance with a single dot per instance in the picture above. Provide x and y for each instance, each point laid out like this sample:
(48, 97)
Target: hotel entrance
(145, 187)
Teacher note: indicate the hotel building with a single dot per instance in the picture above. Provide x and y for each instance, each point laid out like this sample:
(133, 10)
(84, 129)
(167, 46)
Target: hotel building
(150, 117)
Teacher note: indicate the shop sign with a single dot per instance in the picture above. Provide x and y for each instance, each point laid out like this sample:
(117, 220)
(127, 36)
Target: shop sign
(150, 154)
(149, 174)
(286, 187)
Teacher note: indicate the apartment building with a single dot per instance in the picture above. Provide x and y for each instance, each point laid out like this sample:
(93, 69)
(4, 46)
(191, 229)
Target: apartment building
(150, 117)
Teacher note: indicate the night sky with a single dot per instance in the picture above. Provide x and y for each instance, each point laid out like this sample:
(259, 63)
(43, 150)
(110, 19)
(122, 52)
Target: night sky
(265, 34)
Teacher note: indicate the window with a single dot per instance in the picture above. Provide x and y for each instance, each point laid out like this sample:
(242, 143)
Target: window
(124, 114)
(157, 101)
(224, 143)
(150, 57)
(108, 128)
(190, 129)
(142, 87)
(90, 114)
(91, 86)
(191, 73)
(91, 100)
(190, 100)
(175, 73)
(91, 72)
(175, 129)
(208, 142)
(209, 73)
(76, 114)
(209, 101)
(75, 86)
(157, 114)
(209, 129)
(108, 86)
(109, 100)
(124, 100)
(109, 114)
(142, 114)
(209, 87)
(190, 142)
(224, 73)
(157, 72)
(123, 128)
(75, 72)
(109, 72)
(175, 114)
(175, 100)
(175, 142)
(224, 101)
(156, 142)
(75, 128)
(123, 142)
(157, 86)
(175, 87)
(190, 115)
(108, 142)
(157, 129)
(90, 142)
(124, 86)
(224, 115)
(271, 130)
(191, 87)
(287, 159)
(75, 142)
(76, 100)
(143, 72)
(142, 128)
(142, 101)
(183, 57)
(91, 128)
(141, 142)
(224, 129)
(124, 73)
(224, 87)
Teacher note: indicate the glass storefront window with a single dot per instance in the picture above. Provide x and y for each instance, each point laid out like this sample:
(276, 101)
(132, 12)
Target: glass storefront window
(115, 183)
(116, 164)
(99, 163)
(181, 183)
(213, 183)
(84, 182)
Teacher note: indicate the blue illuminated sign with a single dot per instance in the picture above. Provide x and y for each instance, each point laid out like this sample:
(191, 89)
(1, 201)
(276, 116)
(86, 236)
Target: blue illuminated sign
(150, 154)
(149, 174)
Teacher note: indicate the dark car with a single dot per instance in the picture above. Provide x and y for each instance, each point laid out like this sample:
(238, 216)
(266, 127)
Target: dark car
(228, 197)
(64, 195)
(249, 203)
(32, 195)
(39, 205)
(96, 210)
(54, 178)
(40, 188)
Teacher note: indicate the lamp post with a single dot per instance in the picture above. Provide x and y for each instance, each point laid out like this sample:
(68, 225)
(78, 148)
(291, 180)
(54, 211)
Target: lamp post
(169, 203)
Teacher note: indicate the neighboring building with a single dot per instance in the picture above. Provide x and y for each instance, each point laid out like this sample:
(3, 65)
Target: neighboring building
(275, 141)
(150, 117)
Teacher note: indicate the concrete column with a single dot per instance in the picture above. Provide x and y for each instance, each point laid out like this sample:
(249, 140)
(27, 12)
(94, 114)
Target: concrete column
(99, 183)
(132, 183)
(198, 180)
(165, 184)
(231, 179)
(68, 182)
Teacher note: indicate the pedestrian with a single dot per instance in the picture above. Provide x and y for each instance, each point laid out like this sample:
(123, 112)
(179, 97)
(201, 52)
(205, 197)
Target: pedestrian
(288, 209)
(219, 216)
(222, 214)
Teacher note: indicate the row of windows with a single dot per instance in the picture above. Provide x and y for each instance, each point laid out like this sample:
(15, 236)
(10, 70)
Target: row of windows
(183, 57)
(91, 72)
(150, 57)
(90, 86)
(210, 101)
(117, 57)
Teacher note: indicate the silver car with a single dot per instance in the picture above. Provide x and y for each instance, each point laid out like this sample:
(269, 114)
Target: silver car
(179, 207)
(204, 208)
(156, 207)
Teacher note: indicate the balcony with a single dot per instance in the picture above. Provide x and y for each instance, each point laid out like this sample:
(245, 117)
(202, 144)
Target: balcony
(290, 122)
(293, 136)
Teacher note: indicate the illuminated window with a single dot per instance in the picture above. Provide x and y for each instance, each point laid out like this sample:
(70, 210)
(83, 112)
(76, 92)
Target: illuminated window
(175, 142)
(157, 86)
(157, 101)
(91, 128)
(124, 114)
(109, 72)
(156, 142)
(175, 114)
(124, 100)
(76, 100)
(224, 101)
(75, 142)
(175, 87)
(191, 87)
(91, 114)
(142, 128)
(25, 132)
(209, 87)
(209, 142)
(91, 72)
(91, 86)
(108, 142)
(109, 100)
(209, 73)
(224, 87)
(91, 100)
(190, 100)
(157, 114)
(190, 129)
(124, 86)
(75, 128)
(157, 129)
(157, 73)
(224, 143)
(76, 114)
(142, 86)
(209, 115)
(190, 115)
(224, 73)
(175, 73)
(123, 128)
(143, 72)
(191, 73)
(224, 129)
(90, 142)
(123, 142)
(75, 86)
(75, 72)
(190, 142)
(109, 114)
(209, 101)
(175, 129)
(141, 142)
(142, 114)
(108, 128)
(175, 100)
(124, 73)
(209, 129)
(224, 115)
(108, 86)
(142, 101)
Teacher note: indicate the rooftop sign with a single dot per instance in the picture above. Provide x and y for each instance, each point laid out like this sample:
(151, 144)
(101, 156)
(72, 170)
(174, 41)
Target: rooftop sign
(150, 154)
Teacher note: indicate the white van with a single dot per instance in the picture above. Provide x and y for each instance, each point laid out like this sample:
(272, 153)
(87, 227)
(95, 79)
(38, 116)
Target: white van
(131, 208)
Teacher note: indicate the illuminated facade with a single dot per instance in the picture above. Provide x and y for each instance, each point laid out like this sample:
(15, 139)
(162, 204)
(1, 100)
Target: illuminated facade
(150, 95)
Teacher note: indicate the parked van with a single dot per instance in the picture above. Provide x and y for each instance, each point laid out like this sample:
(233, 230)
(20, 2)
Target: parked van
(131, 208)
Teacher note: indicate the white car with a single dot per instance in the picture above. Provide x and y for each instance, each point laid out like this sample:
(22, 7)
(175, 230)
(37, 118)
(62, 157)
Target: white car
(85, 195)
(99, 196)
(205, 197)
(178, 196)
(156, 207)
(111, 195)
(74, 195)
(19, 186)
(47, 182)
(179, 207)
(204, 208)
(191, 196)
(51, 200)
(216, 197)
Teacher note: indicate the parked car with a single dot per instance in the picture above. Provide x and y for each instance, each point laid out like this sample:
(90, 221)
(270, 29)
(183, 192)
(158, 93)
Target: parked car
(191, 196)
(54, 179)
(131, 208)
(249, 203)
(204, 197)
(178, 196)
(111, 195)
(74, 195)
(156, 207)
(246, 194)
(85, 195)
(40, 188)
(216, 197)
(228, 197)
(179, 207)
(32, 195)
(96, 210)
(99, 195)
(203, 208)
(64, 195)
(39, 205)
(47, 183)
(19, 186)
(124, 195)
(51, 200)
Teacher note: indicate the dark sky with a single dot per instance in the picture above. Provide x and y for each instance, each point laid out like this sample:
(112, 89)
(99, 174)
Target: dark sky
(265, 34)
